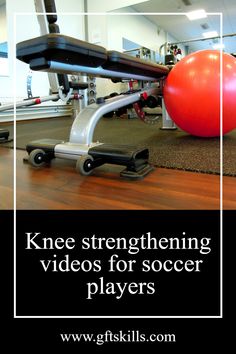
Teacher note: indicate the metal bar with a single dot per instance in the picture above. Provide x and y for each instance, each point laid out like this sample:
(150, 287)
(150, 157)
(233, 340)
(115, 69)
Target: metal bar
(36, 112)
(43, 25)
(38, 100)
(84, 124)
(57, 67)
(133, 50)
(195, 40)
(42, 19)
(167, 122)
(86, 26)
(30, 102)
(202, 39)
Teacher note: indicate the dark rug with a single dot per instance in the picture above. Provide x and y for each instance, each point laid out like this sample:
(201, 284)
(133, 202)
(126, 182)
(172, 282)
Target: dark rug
(171, 149)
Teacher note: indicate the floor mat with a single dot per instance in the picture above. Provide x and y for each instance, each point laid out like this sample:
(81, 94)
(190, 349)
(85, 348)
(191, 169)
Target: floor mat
(171, 149)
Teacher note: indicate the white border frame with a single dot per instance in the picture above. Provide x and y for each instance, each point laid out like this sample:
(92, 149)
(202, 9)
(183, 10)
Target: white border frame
(220, 14)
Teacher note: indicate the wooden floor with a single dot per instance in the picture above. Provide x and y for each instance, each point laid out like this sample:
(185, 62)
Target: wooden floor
(59, 187)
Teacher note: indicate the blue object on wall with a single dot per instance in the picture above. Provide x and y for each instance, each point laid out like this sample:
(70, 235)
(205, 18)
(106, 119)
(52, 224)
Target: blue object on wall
(3, 50)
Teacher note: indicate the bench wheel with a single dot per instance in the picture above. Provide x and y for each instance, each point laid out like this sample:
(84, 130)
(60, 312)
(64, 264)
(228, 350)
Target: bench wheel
(37, 158)
(84, 165)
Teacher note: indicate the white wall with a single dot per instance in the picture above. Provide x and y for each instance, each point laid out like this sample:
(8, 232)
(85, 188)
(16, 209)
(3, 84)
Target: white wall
(3, 38)
(73, 24)
(112, 28)
(107, 31)
(27, 27)
(110, 5)
(136, 28)
(3, 24)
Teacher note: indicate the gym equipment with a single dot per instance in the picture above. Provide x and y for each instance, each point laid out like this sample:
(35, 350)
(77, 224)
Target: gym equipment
(58, 53)
(192, 93)
(167, 122)
(63, 54)
(38, 100)
(167, 45)
(111, 114)
(60, 86)
(4, 136)
(142, 53)
(29, 89)
(153, 101)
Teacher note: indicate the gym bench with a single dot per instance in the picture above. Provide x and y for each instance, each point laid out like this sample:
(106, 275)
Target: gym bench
(62, 54)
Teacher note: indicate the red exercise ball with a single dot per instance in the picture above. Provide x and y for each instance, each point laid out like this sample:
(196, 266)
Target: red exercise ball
(192, 93)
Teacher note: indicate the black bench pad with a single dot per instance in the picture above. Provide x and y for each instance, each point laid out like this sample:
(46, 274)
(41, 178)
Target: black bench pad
(63, 49)
(68, 50)
(121, 62)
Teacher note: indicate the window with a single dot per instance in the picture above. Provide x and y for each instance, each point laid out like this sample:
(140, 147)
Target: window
(3, 40)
